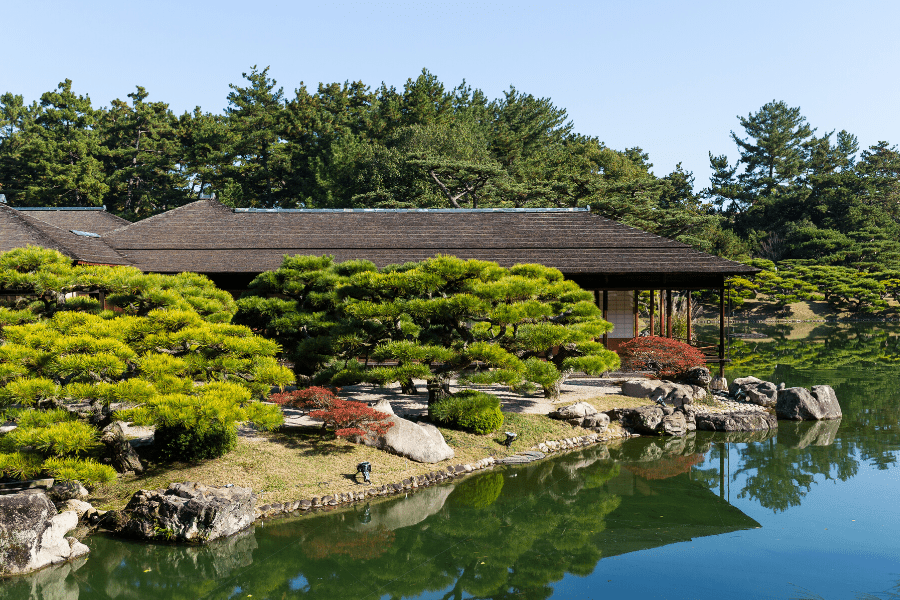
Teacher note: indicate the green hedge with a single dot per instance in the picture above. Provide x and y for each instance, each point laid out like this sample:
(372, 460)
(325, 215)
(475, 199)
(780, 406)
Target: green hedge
(469, 410)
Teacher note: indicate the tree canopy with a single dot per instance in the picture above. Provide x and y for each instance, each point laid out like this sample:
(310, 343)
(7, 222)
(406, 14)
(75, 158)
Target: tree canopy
(350, 322)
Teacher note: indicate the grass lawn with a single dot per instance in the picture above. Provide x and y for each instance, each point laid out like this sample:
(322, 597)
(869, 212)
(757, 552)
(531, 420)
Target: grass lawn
(302, 463)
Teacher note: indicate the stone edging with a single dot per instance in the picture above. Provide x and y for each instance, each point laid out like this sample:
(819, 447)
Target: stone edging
(410, 484)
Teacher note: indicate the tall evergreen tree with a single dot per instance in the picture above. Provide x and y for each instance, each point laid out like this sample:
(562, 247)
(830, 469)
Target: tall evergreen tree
(259, 162)
(143, 156)
(61, 147)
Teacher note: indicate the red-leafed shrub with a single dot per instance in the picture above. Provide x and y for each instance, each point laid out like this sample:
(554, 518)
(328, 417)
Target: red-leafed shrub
(310, 398)
(349, 418)
(346, 417)
(663, 356)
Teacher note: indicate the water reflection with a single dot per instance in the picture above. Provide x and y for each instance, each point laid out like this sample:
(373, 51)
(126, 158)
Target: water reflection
(516, 532)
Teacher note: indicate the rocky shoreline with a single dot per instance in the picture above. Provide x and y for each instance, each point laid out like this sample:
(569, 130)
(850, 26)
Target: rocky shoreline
(196, 513)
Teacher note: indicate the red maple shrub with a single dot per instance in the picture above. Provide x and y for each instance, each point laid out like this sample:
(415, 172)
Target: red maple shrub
(314, 397)
(349, 418)
(346, 417)
(665, 357)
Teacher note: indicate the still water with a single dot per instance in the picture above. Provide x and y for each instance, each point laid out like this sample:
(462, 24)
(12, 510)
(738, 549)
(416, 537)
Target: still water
(809, 512)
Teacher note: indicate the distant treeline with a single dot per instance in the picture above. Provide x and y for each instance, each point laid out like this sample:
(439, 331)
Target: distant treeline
(794, 194)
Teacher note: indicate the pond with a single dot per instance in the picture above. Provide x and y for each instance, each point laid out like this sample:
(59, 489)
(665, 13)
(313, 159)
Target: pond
(809, 512)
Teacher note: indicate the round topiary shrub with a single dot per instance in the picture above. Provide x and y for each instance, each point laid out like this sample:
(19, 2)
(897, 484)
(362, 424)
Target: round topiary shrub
(183, 444)
(469, 410)
(665, 357)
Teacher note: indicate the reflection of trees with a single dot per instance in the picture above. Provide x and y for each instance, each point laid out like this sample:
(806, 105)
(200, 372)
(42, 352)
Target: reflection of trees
(860, 363)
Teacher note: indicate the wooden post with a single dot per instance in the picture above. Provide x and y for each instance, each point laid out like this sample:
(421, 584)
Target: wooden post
(668, 313)
(606, 316)
(652, 297)
(688, 307)
(662, 313)
(637, 321)
(722, 329)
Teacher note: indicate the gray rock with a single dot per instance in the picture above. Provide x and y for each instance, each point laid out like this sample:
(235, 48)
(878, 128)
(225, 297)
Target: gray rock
(763, 394)
(643, 419)
(800, 404)
(188, 512)
(33, 535)
(122, 453)
(79, 507)
(597, 421)
(741, 383)
(674, 424)
(420, 442)
(67, 490)
(747, 421)
(699, 376)
(655, 388)
(579, 410)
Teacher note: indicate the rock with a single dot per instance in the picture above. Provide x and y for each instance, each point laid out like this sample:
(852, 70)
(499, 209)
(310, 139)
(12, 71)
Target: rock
(746, 421)
(420, 442)
(598, 421)
(575, 411)
(123, 456)
(188, 512)
(79, 507)
(719, 384)
(698, 376)
(33, 535)
(741, 382)
(800, 404)
(655, 388)
(67, 490)
(763, 394)
(673, 424)
(643, 419)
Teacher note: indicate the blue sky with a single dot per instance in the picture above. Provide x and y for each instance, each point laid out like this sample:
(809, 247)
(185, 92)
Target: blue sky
(667, 76)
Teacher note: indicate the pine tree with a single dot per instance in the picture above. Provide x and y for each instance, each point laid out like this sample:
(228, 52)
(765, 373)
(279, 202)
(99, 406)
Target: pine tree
(62, 147)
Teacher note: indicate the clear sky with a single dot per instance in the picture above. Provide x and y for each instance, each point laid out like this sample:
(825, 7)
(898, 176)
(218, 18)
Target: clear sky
(670, 77)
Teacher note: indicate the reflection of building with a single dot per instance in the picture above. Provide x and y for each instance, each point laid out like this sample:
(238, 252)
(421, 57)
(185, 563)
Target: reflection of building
(657, 512)
(232, 246)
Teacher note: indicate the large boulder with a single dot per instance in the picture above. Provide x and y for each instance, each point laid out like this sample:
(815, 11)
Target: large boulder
(123, 456)
(756, 420)
(188, 512)
(420, 442)
(800, 404)
(582, 414)
(33, 535)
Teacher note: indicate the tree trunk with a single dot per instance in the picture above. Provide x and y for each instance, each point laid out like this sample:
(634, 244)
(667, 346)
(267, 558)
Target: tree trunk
(407, 386)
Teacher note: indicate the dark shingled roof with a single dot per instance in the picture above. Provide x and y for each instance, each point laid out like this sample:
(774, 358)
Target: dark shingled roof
(94, 220)
(207, 237)
(18, 229)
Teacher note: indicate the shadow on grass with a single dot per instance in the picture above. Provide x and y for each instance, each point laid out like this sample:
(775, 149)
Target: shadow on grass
(310, 442)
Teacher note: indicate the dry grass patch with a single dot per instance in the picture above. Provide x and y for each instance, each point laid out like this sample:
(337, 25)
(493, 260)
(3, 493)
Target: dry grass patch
(305, 463)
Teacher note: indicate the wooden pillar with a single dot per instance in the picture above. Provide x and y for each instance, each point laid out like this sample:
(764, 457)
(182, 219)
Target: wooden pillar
(637, 321)
(688, 308)
(722, 330)
(606, 316)
(662, 313)
(668, 313)
(652, 296)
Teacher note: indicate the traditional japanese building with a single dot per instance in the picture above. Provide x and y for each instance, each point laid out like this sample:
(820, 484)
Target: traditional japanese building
(232, 246)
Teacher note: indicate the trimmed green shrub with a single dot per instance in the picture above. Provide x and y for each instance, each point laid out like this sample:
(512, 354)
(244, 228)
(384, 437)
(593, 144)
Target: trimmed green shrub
(187, 443)
(469, 410)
